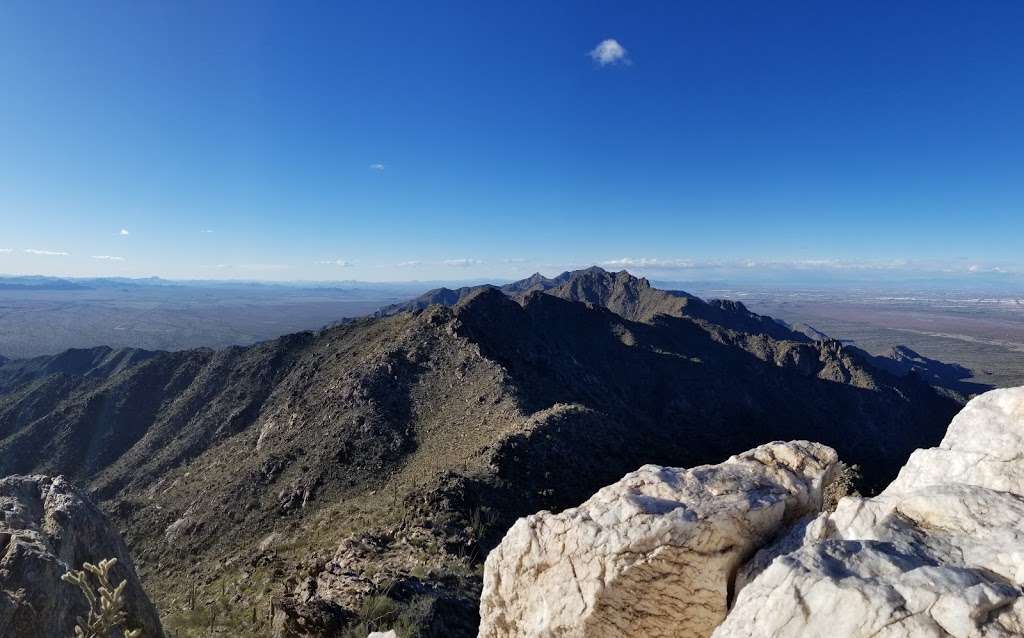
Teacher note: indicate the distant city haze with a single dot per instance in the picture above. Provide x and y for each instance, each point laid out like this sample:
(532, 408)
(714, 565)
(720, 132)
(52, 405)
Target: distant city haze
(397, 142)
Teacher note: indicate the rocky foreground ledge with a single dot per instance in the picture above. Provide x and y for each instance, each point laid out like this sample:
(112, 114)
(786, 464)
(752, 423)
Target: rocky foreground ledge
(47, 527)
(740, 549)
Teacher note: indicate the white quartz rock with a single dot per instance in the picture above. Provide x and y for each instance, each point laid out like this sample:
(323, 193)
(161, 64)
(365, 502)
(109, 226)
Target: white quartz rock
(984, 446)
(939, 553)
(652, 555)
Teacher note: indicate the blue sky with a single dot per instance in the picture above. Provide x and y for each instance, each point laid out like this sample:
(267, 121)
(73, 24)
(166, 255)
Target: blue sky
(399, 141)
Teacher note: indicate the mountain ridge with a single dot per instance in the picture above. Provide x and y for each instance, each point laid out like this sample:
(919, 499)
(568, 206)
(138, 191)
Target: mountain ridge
(423, 434)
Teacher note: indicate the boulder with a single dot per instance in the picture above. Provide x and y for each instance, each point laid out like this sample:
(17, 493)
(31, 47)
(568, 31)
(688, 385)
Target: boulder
(47, 527)
(652, 555)
(939, 553)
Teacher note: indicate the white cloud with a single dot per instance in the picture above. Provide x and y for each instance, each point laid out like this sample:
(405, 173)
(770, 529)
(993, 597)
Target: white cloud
(376, 167)
(6, 250)
(609, 52)
(108, 258)
(408, 264)
(252, 267)
(49, 253)
(342, 263)
(978, 268)
(123, 232)
(645, 262)
(461, 263)
(206, 231)
(834, 264)
(784, 264)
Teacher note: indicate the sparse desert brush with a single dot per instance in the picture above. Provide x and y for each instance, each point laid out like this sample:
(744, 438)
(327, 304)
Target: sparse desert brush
(382, 613)
(106, 602)
(843, 484)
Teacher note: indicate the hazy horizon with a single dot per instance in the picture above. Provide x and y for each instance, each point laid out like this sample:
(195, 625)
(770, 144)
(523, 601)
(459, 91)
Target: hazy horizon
(996, 282)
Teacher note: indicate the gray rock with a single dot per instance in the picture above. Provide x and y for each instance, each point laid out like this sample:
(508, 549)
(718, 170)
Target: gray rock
(47, 528)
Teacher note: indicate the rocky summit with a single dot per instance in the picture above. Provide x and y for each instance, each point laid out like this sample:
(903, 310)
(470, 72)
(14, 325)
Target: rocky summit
(356, 477)
(738, 550)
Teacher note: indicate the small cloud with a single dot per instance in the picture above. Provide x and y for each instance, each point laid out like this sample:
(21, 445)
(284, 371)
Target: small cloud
(341, 263)
(206, 231)
(513, 260)
(408, 264)
(609, 52)
(977, 268)
(376, 167)
(48, 253)
(252, 267)
(799, 264)
(646, 262)
(461, 263)
(6, 250)
(123, 232)
(108, 258)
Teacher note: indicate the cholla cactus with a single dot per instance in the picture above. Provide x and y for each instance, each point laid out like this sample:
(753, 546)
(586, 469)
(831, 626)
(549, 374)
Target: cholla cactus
(106, 604)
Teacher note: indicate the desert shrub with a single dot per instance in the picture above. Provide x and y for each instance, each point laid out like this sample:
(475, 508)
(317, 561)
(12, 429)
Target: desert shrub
(381, 613)
(480, 522)
(378, 611)
(106, 602)
(843, 483)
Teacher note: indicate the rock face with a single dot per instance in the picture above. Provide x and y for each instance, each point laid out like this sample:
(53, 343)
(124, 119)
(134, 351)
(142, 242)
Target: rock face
(47, 528)
(653, 554)
(939, 553)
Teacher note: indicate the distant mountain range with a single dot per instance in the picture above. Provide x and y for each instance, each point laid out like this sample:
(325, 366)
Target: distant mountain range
(384, 456)
(627, 296)
(635, 299)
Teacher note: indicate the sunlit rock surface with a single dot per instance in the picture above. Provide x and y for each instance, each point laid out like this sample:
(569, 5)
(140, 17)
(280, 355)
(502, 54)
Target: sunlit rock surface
(652, 555)
(939, 553)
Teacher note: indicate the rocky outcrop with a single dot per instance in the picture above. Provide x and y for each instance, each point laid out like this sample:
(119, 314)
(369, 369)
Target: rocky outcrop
(939, 553)
(47, 528)
(653, 554)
